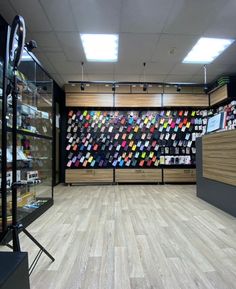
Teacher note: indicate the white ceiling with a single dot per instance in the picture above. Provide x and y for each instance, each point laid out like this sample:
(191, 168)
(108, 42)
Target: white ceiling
(148, 31)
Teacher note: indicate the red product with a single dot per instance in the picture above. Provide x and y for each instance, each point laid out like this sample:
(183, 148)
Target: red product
(86, 124)
(95, 147)
(122, 121)
(123, 144)
(149, 163)
(70, 113)
(181, 113)
(154, 143)
(129, 128)
(124, 136)
(185, 121)
(180, 125)
(141, 163)
(152, 129)
(75, 147)
(154, 159)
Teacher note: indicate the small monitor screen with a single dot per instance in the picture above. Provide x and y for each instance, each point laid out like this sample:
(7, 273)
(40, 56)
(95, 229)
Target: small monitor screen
(215, 123)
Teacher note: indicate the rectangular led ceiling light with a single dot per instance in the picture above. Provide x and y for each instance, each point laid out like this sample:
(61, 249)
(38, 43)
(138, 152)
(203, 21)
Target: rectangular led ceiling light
(207, 49)
(100, 47)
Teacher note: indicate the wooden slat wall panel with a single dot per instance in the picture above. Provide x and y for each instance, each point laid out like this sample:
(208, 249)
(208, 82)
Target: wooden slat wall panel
(138, 100)
(198, 100)
(89, 176)
(89, 100)
(219, 157)
(179, 175)
(218, 95)
(138, 175)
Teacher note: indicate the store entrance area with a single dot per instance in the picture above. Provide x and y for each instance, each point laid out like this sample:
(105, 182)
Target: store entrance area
(134, 236)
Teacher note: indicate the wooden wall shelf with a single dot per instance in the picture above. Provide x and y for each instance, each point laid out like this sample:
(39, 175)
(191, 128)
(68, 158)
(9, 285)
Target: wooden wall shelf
(185, 100)
(89, 100)
(138, 100)
(219, 94)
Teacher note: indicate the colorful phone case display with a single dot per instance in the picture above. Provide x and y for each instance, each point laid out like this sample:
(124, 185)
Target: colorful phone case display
(135, 139)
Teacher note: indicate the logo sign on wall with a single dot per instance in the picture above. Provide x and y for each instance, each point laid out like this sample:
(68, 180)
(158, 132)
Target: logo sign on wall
(135, 139)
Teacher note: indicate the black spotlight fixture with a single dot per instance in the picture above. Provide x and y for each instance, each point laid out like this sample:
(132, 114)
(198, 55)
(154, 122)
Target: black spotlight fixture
(178, 88)
(82, 86)
(113, 87)
(145, 86)
(31, 45)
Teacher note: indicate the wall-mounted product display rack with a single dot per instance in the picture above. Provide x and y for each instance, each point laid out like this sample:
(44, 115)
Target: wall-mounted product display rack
(121, 132)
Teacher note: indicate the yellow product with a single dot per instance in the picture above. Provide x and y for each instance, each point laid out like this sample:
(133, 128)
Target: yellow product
(25, 199)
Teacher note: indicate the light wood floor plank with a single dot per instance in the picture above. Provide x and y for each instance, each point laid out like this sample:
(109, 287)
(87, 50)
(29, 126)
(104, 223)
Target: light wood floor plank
(133, 237)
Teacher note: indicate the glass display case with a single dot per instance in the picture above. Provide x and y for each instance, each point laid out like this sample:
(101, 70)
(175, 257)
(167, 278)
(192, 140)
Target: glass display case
(3, 32)
(34, 132)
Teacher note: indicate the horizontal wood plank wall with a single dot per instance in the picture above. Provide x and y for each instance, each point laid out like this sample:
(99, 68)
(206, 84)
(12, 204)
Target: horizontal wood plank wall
(179, 175)
(219, 157)
(187, 99)
(138, 175)
(138, 100)
(219, 95)
(89, 100)
(89, 176)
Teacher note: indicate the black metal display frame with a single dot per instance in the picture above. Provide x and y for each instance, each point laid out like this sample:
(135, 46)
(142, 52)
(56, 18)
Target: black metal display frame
(34, 214)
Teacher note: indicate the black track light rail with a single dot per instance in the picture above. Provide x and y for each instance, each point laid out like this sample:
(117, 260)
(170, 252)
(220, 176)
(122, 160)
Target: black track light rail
(139, 83)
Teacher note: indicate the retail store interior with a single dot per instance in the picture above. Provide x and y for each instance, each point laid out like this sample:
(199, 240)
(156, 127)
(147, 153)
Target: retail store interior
(117, 144)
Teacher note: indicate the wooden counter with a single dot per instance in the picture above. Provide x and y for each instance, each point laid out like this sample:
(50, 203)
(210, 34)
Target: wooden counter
(219, 157)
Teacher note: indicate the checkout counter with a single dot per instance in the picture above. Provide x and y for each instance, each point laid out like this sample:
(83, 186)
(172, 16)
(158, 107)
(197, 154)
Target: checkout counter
(216, 170)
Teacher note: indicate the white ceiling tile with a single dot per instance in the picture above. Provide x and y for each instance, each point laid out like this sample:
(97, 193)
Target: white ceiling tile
(227, 57)
(71, 77)
(34, 16)
(198, 78)
(96, 68)
(186, 68)
(155, 78)
(60, 14)
(219, 68)
(58, 60)
(191, 16)
(41, 56)
(224, 24)
(100, 77)
(58, 78)
(159, 67)
(94, 16)
(7, 11)
(127, 77)
(141, 16)
(71, 45)
(128, 67)
(137, 47)
(178, 78)
(46, 41)
(173, 48)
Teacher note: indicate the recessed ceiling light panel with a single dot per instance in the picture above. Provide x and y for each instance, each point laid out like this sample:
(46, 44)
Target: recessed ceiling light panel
(100, 47)
(207, 49)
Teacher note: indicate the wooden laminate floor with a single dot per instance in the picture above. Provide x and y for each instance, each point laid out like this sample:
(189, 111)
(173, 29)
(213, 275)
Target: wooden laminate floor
(134, 237)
